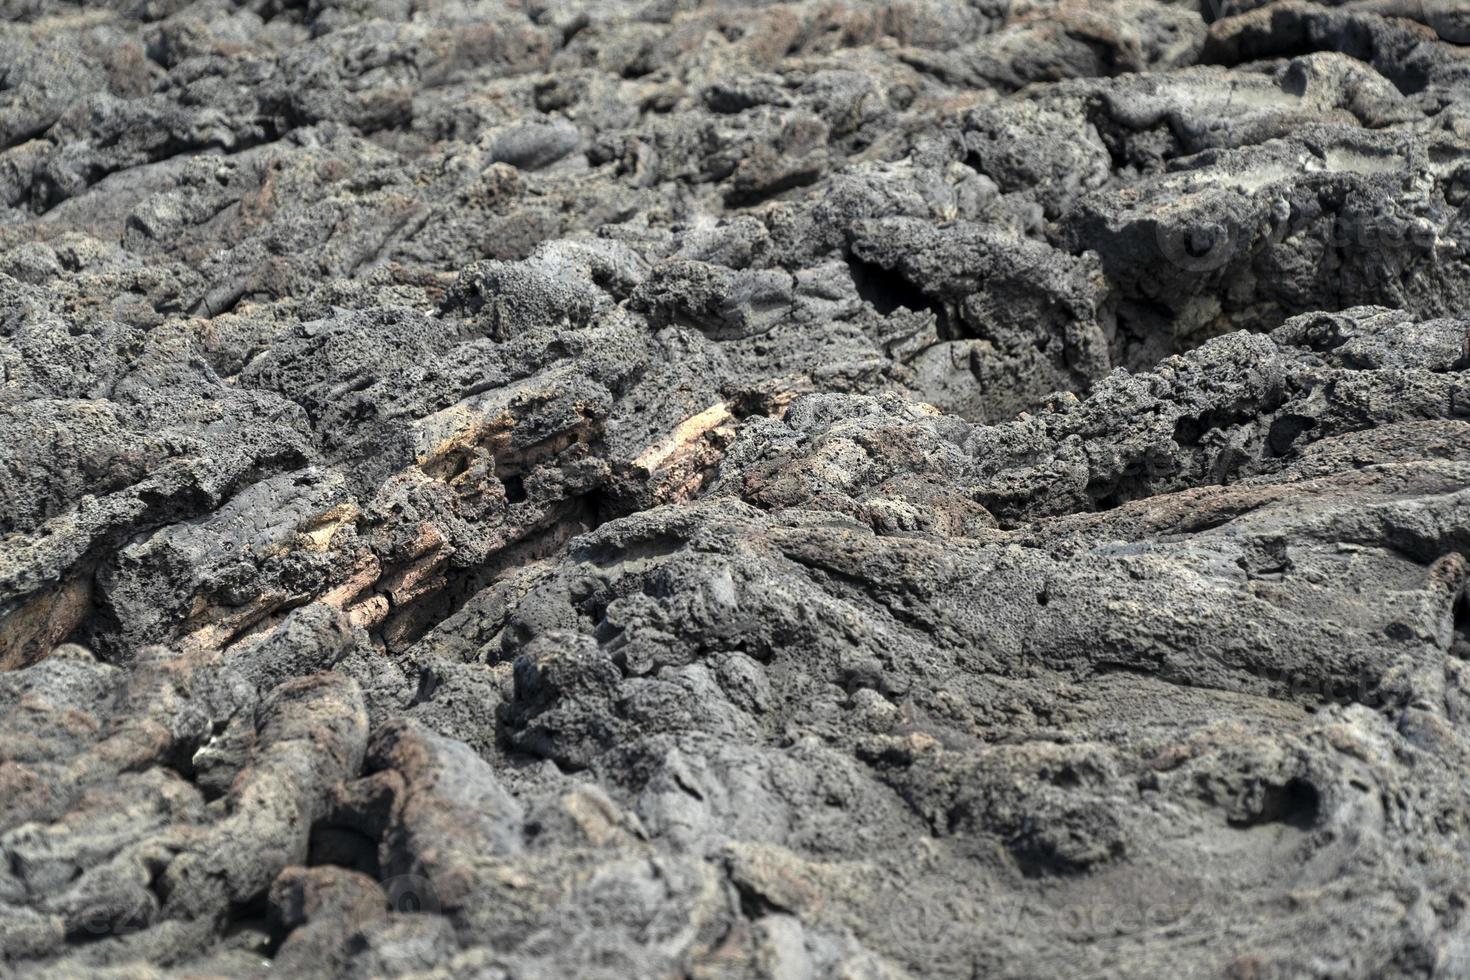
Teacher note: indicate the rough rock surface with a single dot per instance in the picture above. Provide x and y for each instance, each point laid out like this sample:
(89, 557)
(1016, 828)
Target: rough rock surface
(729, 489)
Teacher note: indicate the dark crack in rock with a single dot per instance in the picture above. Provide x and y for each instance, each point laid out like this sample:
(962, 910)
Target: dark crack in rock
(727, 490)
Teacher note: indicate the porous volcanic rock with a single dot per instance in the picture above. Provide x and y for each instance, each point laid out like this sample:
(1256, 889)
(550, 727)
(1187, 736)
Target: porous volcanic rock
(725, 490)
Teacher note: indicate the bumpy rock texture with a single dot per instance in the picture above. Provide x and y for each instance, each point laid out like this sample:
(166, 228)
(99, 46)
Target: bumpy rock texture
(734, 489)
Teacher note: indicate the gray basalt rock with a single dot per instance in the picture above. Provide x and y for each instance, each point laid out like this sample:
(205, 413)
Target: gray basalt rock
(735, 490)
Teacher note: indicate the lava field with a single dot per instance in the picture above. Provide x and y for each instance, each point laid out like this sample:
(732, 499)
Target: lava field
(735, 489)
